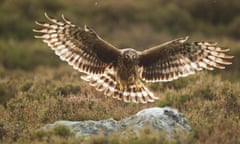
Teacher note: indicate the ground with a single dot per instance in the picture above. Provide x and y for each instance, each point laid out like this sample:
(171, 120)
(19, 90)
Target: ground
(37, 88)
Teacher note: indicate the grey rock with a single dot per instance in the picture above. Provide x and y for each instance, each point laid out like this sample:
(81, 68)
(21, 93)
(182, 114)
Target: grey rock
(166, 118)
(89, 127)
(162, 119)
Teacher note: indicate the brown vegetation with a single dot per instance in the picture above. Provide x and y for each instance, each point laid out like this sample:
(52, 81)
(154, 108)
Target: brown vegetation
(36, 88)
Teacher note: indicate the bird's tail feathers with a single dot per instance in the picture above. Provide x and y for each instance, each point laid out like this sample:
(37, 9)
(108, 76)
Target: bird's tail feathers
(136, 93)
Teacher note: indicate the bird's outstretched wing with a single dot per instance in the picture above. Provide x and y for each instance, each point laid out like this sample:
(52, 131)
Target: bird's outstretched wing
(80, 47)
(179, 58)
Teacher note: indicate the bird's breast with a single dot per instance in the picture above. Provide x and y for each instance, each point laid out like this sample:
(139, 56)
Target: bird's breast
(127, 73)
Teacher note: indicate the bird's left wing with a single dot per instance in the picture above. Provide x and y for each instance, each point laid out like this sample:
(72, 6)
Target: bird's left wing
(80, 47)
(179, 58)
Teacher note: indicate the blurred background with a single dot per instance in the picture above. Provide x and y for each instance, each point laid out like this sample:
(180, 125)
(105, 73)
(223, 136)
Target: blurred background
(136, 23)
(36, 87)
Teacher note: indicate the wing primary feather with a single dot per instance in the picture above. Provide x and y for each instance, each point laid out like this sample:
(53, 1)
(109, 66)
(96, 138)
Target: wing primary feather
(83, 44)
(179, 58)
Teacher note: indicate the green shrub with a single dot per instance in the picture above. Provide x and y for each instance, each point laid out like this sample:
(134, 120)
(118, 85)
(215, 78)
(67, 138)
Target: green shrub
(62, 131)
(26, 86)
(2, 131)
(7, 91)
(68, 89)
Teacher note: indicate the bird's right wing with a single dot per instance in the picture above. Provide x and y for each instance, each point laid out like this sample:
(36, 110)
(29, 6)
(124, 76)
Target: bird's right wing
(179, 58)
(80, 47)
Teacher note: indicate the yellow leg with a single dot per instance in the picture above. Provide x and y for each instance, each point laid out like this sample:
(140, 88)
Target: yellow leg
(137, 86)
(120, 86)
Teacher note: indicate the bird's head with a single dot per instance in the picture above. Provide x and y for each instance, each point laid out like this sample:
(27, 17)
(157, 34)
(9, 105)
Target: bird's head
(130, 55)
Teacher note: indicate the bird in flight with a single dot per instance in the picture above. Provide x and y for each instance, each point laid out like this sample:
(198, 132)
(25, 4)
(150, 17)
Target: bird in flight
(119, 73)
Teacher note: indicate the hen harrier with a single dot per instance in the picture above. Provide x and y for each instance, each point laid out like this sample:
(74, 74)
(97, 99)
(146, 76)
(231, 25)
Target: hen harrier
(118, 72)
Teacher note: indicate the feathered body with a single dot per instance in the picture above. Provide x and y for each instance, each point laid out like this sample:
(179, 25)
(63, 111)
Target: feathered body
(127, 67)
(117, 72)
